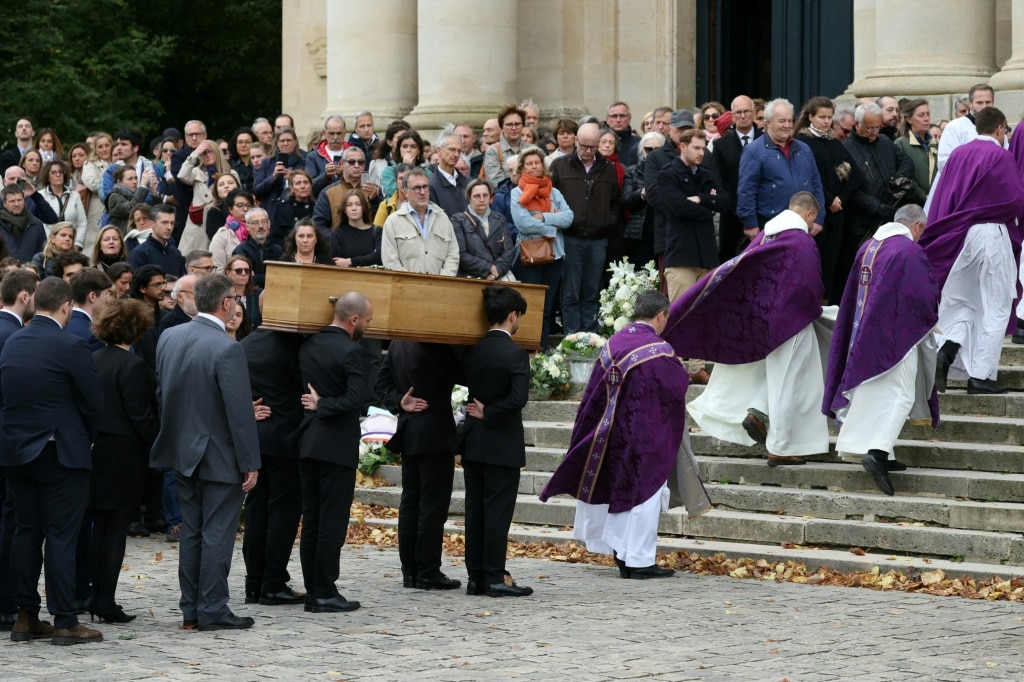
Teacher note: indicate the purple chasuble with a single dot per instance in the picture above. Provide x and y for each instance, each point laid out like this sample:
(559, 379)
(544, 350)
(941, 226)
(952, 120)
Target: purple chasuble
(980, 183)
(750, 305)
(629, 426)
(890, 303)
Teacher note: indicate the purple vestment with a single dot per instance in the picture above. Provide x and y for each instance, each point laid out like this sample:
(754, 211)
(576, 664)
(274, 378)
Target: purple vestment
(890, 303)
(750, 305)
(980, 183)
(629, 426)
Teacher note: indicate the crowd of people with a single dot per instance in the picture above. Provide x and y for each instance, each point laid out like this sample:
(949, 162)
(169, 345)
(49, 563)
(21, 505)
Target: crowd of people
(156, 420)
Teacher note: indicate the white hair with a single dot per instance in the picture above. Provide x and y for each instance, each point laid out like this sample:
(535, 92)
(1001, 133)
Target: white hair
(334, 117)
(770, 107)
(655, 136)
(865, 109)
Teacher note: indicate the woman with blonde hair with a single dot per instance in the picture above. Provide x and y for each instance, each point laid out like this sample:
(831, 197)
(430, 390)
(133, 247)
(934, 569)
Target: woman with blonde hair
(61, 240)
(100, 157)
(201, 170)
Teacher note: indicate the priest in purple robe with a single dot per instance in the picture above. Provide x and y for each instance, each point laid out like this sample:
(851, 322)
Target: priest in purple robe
(629, 457)
(881, 366)
(970, 241)
(759, 318)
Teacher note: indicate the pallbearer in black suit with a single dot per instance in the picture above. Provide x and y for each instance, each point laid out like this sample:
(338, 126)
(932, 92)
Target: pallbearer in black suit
(16, 291)
(273, 507)
(492, 443)
(120, 453)
(90, 288)
(334, 369)
(51, 401)
(416, 380)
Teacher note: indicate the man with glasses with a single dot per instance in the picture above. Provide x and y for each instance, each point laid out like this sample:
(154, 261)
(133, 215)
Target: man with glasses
(195, 133)
(843, 122)
(591, 188)
(447, 185)
(160, 248)
(619, 119)
(257, 248)
(200, 263)
(419, 237)
(873, 203)
(320, 163)
(327, 210)
(726, 152)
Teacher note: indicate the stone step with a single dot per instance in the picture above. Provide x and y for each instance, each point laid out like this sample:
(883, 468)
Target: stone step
(841, 560)
(718, 524)
(982, 431)
(951, 403)
(1010, 376)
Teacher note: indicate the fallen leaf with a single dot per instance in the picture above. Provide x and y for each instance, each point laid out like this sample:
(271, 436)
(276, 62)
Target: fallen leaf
(159, 556)
(787, 545)
(858, 551)
(932, 577)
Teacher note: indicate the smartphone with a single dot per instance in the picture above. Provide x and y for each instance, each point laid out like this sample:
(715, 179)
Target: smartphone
(282, 158)
(337, 159)
(21, 183)
(365, 179)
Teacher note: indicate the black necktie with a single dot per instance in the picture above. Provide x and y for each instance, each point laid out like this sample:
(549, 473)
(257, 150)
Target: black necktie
(745, 140)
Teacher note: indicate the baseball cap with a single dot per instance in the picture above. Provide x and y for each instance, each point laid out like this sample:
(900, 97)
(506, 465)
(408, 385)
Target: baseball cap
(682, 118)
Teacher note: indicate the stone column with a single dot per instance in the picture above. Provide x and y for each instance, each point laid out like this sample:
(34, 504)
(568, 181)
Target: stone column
(467, 61)
(371, 64)
(1012, 75)
(930, 58)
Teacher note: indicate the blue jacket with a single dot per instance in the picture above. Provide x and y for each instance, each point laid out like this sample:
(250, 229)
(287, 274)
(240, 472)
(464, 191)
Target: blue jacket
(53, 376)
(81, 326)
(552, 224)
(152, 252)
(32, 241)
(768, 180)
(268, 188)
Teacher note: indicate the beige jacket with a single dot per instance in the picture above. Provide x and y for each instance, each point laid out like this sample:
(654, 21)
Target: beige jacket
(405, 250)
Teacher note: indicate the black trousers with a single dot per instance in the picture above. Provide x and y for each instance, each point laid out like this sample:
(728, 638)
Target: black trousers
(426, 496)
(106, 555)
(6, 546)
(490, 500)
(272, 511)
(49, 500)
(327, 491)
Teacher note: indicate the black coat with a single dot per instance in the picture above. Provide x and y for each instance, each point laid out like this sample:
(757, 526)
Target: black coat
(451, 198)
(689, 226)
(592, 195)
(498, 375)
(655, 163)
(726, 152)
(258, 254)
(431, 370)
(633, 201)
(274, 373)
(880, 162)
(478, 252)
(287, 214)
(336, 366)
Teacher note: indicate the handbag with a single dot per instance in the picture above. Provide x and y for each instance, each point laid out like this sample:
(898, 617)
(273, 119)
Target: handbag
(539, 251)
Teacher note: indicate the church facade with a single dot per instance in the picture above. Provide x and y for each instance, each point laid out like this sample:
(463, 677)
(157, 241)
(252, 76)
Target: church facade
(438, 61)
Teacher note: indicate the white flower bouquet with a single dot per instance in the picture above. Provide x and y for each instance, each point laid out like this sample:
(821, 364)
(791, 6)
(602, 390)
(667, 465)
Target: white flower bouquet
(617, 300)
(549, 375)
(372, 454)
(584, 344)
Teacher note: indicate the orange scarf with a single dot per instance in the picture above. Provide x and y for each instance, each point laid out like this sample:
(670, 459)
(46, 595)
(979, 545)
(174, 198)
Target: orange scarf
(536, 193)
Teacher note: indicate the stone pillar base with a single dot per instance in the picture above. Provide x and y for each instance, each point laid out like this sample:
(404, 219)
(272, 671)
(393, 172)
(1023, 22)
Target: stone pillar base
(875, 86)
(1011, 77)
(1011, 103)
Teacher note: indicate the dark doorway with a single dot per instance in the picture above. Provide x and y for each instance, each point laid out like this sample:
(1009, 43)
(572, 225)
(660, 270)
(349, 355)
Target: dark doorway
(773, 48)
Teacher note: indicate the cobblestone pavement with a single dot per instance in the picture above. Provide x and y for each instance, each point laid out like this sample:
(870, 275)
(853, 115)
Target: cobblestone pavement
(583, 623)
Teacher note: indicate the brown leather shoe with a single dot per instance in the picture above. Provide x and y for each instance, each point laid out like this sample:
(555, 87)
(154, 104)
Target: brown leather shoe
(702, 377)
(76, 635)
(755, 428)
(29, 627)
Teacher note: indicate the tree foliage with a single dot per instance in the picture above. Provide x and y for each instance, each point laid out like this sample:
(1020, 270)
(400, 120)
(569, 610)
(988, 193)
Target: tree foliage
(84, 65)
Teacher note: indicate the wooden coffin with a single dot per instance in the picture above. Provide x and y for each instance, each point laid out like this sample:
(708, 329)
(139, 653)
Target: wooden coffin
(406, 306)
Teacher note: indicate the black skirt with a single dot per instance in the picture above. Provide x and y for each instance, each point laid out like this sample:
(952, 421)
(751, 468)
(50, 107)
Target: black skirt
(119, 469)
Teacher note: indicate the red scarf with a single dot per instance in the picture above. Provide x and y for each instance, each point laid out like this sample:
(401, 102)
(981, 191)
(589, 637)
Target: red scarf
(536, 193)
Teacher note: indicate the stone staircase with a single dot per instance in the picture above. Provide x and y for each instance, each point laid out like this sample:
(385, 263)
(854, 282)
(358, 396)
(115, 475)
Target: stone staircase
(960, 506)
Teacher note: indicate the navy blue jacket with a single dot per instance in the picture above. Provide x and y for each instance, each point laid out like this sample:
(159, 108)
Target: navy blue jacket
(768, 180)
(268, 188)
(258, 254)
(152, 252)
(32, 241)
(80, 326)
(50, 381)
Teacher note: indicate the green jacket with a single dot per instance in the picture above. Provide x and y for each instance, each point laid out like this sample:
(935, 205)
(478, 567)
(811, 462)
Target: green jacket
(925, 160)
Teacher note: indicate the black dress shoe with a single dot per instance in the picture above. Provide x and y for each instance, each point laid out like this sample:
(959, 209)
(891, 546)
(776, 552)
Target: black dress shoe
(652, 571)
(756, 428)
(875, 466)
(475, 588)
(503, 590)
(285, 597)
(7, 621)
(984, 387)
(408, 581)
(115, 615)
(137, 529)
(332, 605)
(439, 582)
(189, 624)
(252, 597)
(942, 363)
(623, 568)
(229, 622)
(895, 465)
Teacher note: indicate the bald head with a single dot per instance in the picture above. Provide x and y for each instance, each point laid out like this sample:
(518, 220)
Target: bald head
(184, 294)
(353, 313)
(742, 109)
(587, 138)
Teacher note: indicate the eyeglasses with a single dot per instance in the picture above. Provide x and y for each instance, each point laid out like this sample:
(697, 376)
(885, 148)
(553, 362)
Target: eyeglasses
(618, 115)
(649, 149)
(203, 268)
(846, 131)
(257, 223)
(872, 129)
(453, 150)
(245, 206)
(712, 116)
(56, 171)
(510, 124)
(168, 151)
(742, 112)
(591, 147)
(355, 162)
(419, 188)
(193, 134)
(237, 298)
(241, 271)
(154, 284)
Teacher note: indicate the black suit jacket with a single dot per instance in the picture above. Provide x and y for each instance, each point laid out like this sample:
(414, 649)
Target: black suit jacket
(498, 375)
(689, 226)
(81, 326)
(726, 152)
(48, 387)
(432, 370)
(129, 389)
(275, 376)
(8, 325)
(336, 366)
(171, 319)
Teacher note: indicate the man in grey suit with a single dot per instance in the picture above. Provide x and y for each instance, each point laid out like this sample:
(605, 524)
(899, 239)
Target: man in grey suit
(208, 436)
